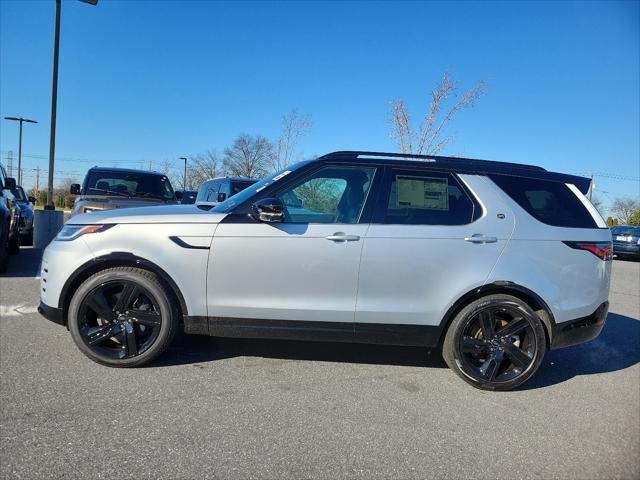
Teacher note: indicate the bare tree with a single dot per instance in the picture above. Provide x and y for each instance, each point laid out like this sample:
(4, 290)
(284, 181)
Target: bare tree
(431, 137)
(249, 156)
(202, 167)
(623, 209)
(294, 126)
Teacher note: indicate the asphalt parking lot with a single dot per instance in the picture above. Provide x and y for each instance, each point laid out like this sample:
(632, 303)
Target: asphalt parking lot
(222, 408)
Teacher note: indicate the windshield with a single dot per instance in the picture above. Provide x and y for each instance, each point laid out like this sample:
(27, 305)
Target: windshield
(626, 230)
(249, 192)
(128, 184)
(19, 194)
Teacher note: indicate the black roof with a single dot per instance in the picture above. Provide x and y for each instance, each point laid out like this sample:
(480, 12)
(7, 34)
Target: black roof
(123, 170)
(460, 165)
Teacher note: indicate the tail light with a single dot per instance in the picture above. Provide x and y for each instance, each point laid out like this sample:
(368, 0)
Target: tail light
(602, 250)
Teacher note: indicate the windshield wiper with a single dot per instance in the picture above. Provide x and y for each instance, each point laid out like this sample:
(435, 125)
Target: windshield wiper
(150, 195)
(109, 192)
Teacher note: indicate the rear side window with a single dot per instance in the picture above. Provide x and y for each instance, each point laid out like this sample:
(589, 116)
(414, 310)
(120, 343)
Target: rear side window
(427, 198)
(550, 202)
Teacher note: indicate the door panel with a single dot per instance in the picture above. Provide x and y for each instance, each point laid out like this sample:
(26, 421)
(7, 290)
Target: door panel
(284, 271)
(305, 268)
(411, 274)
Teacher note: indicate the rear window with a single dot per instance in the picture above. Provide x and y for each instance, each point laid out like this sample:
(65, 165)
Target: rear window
(552, 203)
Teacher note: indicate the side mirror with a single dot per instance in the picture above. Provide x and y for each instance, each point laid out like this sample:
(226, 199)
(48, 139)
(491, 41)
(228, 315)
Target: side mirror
(178, 195)
(268, 210)
(10, 183)
(75, 189)
(32, 200)
(222, 197)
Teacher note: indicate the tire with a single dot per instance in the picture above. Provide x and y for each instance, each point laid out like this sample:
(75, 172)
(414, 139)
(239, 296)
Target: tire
(14, 244)
(496, 342)
(122, 317)
(4, 250)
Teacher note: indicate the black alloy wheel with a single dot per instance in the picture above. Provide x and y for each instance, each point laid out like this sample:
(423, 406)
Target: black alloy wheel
(122, 317)
(495, 343)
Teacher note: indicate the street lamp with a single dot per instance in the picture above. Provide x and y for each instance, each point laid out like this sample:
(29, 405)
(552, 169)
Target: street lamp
(184, 180)
(54, 101)
(21, 120)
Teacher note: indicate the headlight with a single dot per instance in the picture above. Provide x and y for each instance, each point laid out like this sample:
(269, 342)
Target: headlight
(71, 232)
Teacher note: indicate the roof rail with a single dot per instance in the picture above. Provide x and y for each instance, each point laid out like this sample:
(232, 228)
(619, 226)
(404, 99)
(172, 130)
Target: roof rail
(432, 158)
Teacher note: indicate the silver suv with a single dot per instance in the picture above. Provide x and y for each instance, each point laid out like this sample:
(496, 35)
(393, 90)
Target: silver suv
(492, 262)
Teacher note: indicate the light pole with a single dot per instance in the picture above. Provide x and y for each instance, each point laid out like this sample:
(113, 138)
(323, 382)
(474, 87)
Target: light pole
(184, 180)
(21, 120)
(54, 101)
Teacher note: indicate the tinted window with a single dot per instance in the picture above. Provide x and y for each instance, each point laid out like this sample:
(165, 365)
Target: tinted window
(257, 187)
(238, 186)
(427, 198)
(329, 195)
(552, 203)
(128, 184)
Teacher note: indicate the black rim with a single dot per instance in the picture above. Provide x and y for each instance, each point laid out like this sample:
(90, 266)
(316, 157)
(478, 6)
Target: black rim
(497, 344)
(119, 319)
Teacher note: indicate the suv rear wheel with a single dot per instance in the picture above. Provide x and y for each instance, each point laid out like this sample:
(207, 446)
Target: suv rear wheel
(122, 317)
(495, 343)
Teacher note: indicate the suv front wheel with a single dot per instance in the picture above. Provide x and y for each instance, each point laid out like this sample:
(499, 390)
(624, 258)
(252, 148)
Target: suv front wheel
(495, 343)
(122, 317)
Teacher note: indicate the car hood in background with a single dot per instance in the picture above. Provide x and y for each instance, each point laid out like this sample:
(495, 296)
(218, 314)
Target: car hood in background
(155, 214)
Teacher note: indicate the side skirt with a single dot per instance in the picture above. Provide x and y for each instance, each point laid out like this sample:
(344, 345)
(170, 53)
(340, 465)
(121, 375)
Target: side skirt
(371, 333)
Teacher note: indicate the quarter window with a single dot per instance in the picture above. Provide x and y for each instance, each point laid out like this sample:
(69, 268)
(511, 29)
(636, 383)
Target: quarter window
(330, 195)
(550, 202)
(427, 198)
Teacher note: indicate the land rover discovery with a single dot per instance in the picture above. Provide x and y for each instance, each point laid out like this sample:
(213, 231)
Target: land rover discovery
(492, 262)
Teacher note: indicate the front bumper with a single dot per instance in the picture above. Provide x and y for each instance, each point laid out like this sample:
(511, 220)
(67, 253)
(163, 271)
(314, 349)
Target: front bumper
(580, 330)
(626, 248)
(51, 313)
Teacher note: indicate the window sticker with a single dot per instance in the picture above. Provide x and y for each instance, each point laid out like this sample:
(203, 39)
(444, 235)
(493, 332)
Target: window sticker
(422, 192)
(278, 177)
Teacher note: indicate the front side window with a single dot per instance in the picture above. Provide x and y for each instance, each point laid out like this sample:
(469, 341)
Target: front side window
(427, 198)
(238, 186)
(329, 195)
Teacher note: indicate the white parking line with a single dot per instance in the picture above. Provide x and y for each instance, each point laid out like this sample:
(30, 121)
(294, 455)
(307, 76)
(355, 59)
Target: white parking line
(17, 310)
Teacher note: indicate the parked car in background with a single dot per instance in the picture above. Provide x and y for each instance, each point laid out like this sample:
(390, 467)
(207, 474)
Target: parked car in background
(492, 262)
(217, 190)
(25, 204)
(108, 188)
(10, 217)
(626, 241)
(186, 197)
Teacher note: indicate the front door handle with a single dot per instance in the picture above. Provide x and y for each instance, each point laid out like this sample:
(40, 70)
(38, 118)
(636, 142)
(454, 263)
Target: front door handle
(480, 238)
(343, 237)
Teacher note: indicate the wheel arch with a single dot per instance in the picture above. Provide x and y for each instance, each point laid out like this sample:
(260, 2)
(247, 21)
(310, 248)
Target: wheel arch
(509, 288)
(115, 259)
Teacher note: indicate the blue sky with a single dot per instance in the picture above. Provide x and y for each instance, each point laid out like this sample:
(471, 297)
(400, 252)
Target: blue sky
(154, 80)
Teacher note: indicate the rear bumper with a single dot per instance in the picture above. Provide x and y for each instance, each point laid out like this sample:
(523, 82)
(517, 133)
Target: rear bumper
(580, 330)
(51, 313)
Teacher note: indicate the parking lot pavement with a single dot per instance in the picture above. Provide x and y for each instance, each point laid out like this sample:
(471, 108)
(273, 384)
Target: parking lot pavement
(218, 408)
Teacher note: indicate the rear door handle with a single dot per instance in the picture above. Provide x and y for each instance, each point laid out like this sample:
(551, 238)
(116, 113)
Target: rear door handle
(480, 238)
(343, 237)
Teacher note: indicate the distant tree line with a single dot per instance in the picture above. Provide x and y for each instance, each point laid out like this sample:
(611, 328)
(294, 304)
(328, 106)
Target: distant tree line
(253, 156)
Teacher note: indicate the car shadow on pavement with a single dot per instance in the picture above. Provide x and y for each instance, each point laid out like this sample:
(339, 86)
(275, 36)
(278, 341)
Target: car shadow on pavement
(25, 264)
(188, 349)
(616, 348)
